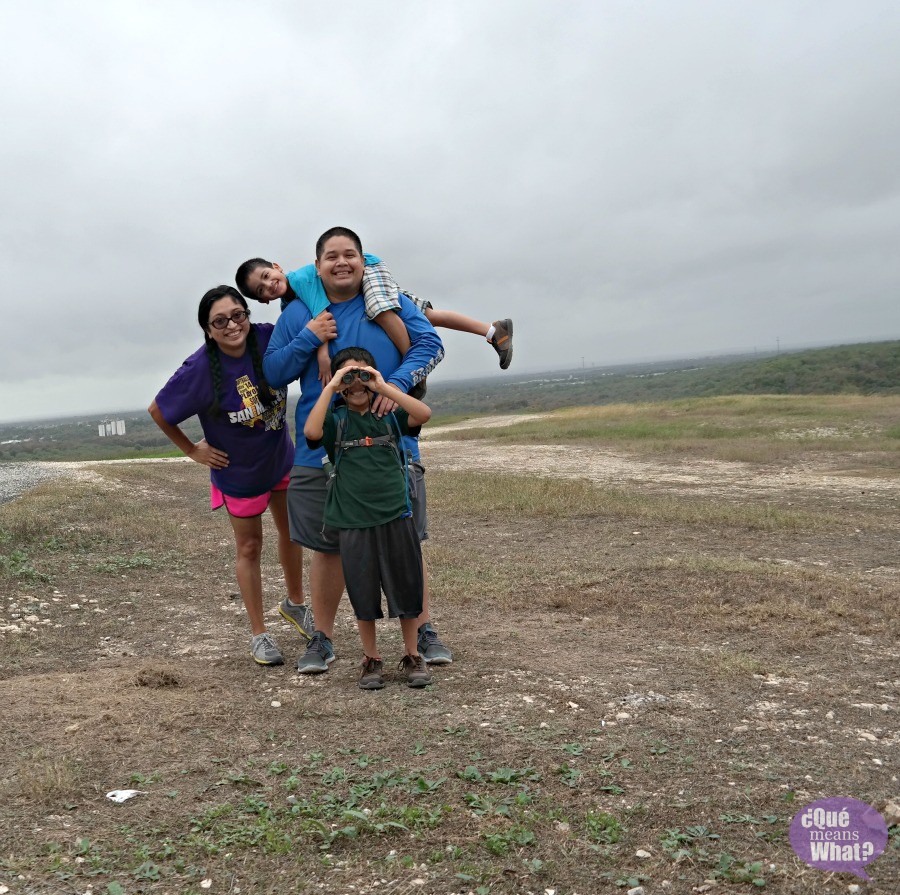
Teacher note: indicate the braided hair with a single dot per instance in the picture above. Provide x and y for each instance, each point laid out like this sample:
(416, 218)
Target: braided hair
(266, 392)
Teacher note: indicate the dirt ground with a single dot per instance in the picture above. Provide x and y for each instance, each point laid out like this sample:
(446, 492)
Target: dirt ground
(631, 706)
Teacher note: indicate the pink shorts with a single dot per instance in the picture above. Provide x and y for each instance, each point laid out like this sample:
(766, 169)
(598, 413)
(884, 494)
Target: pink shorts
(245, 507)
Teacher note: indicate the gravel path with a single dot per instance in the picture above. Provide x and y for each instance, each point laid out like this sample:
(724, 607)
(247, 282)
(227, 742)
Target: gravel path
(18, 477)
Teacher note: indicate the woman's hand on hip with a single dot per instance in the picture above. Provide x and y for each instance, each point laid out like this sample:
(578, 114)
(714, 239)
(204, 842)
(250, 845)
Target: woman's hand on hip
(205, 454)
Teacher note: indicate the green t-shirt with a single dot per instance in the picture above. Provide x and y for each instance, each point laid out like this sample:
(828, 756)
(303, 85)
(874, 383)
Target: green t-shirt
(369, 487)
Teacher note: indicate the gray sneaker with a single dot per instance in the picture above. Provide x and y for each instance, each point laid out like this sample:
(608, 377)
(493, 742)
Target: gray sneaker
(318, 656)
(430, 647)
(416, 671)
(264, 650)
(300, 617)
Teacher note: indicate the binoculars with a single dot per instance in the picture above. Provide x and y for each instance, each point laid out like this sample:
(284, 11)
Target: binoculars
(350, 375)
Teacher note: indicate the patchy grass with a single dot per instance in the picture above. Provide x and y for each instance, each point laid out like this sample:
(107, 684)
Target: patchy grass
(50, 780)
(512, 496)
(753, 429)
(644, 692)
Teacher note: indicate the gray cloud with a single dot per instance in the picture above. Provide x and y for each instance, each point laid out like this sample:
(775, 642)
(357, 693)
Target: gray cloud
(624, 180)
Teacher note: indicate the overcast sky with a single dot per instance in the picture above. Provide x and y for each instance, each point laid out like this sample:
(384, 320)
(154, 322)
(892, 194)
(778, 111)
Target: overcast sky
(625, 180)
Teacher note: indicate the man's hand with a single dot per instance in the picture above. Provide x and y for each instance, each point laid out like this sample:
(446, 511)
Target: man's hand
(323, 327)
(206, 455)
(383, 405)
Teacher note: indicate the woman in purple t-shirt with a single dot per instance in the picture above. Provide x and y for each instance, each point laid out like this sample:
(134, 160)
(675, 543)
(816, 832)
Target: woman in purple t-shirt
(246, 445)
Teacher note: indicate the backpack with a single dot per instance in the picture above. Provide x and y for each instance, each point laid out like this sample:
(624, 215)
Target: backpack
(392, 440)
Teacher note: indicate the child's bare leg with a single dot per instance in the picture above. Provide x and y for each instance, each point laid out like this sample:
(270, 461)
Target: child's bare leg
(498, 333)
(459, 322)
(410, 629)
(395, 330)
(323, 359)
(367, 636)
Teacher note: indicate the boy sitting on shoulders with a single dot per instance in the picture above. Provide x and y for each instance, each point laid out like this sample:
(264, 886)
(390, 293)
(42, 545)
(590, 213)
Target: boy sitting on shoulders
(266, 281)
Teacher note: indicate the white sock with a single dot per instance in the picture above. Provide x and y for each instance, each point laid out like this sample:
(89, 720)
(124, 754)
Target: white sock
(490, 333)
(292, 603)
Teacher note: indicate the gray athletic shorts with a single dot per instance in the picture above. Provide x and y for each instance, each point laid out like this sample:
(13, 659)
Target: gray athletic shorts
(385, 558)
(306, 507)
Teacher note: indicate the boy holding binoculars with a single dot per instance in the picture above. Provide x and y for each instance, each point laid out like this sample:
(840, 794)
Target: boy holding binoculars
(368, 503)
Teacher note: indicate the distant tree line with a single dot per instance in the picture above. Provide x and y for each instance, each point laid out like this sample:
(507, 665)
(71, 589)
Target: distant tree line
(868, 369)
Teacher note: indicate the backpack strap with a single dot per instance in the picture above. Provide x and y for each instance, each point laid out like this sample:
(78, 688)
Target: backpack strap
(403, 459)
(340, 419)
(368, 441)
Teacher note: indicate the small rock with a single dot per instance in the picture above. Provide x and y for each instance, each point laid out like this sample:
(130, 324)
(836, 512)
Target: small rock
(622, 716)
(642, 853)
(853, 888)
(829, 716)
(205, 883)
(891, 812)
(276, 704)
(637, 890)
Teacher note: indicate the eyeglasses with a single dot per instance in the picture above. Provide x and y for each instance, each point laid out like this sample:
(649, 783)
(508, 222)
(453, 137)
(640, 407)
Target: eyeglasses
(350, 375)
(237, 317)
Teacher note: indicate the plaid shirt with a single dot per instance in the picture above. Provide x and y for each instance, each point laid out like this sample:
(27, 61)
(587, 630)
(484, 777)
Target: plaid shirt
(381, 293)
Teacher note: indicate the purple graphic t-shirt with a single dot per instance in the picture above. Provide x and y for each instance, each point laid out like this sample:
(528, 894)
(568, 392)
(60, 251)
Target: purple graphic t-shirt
(256, 439)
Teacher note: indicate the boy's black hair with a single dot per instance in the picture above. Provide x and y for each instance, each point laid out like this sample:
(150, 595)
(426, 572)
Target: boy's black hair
(337, 231)
(345, 354)
(244, 271)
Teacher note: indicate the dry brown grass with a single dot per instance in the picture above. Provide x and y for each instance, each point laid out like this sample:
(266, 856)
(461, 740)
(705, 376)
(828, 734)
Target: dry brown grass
(763, 429)
(613, 681)
(48, 780)
(513, 496)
